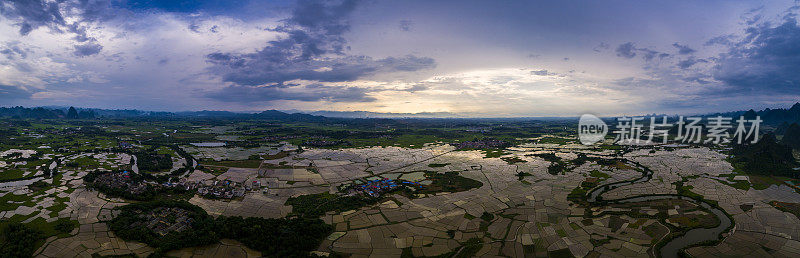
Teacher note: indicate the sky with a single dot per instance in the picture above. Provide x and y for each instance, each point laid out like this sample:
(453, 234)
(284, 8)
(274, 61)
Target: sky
(468, 58)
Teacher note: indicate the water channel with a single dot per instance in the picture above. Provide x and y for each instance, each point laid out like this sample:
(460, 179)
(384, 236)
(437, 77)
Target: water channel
(693, 236)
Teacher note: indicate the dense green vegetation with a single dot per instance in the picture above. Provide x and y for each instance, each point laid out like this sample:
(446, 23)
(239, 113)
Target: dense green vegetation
(766, 157)
(435, 165)
(316, 205)
(286, 237)
(19, 240)
(448, 182)
(129, 225)
(152, 161)
(791, 137)
(513, 160)
(470, 248)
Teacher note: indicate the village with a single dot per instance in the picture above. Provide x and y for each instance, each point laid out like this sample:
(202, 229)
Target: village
(214, 189)
(378, 187)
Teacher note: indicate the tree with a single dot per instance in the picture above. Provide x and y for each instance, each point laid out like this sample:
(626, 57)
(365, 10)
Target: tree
(19, 240)
(72, 113)
(64, 225)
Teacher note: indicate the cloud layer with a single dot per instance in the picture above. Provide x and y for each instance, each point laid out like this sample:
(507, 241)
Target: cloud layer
(517, 59)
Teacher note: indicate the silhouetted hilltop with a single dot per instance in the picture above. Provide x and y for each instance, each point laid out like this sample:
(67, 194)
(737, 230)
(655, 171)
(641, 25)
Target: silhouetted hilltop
(791, 137)
(770, 116)
(766, 157)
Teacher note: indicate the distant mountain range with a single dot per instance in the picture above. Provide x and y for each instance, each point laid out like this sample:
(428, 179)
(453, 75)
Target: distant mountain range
(770, 116)
(368, 114)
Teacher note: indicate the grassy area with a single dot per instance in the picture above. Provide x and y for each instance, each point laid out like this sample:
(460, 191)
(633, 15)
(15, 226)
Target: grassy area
(621, 165)
(11, 201)
(695, 220)
(686, 190)
(214, 170)
(315, 205)
(494, 153)
(10, 174)
(470, 248)
(793, 208)
(165, 150)
(83, 163)
(763, 182)
(513, 160)
(596, 173)
(448, 182)
(56, 207)
(655, 231)
(278, 155)
(577, 194)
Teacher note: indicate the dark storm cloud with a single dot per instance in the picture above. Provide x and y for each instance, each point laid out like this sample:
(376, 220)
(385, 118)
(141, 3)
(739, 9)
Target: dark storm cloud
(725, 40)
(626, 50)
(8, 93)
(683, 49)
(689, 62)
(766, 59)
(87, 49)
(763, 62)
(253, 72)
(248, 94)
(629, 50)
(648, 54)
(408, 63)
(32, 14)
(602, 46)
(701, 79)
(313, 49)
(194, 27)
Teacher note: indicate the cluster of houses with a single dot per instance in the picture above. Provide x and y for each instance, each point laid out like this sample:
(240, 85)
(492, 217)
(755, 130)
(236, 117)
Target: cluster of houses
(376, 188)
(163, 220)
(226, 189)
(122, 180)
(216, 189)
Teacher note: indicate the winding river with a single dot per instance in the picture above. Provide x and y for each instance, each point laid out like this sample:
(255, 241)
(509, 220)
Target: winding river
(671, 248)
